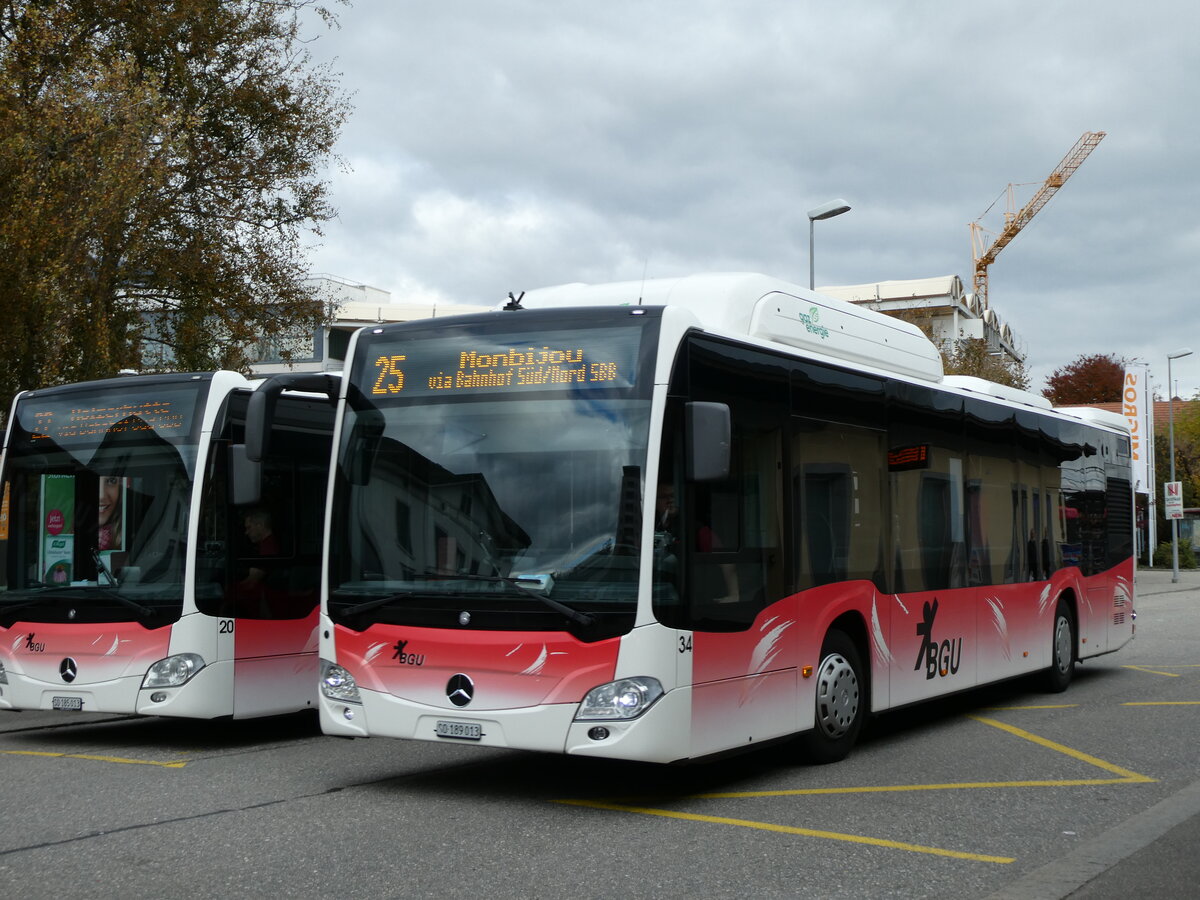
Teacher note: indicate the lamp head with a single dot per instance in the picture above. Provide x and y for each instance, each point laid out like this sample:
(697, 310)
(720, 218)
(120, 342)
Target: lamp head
(828, 210)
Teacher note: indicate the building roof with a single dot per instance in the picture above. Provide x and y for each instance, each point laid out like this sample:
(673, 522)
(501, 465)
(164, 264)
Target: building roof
(948, 286)
(1163, 409)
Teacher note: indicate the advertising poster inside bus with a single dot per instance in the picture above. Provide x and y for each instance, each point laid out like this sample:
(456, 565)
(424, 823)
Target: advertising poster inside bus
(56, 547)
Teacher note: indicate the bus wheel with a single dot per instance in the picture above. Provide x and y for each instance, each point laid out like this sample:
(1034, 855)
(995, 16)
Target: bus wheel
(840, 702)
(1062, 664)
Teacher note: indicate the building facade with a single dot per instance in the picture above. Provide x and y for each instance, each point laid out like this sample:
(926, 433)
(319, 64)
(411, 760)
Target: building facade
(953, 313)
(352, 305)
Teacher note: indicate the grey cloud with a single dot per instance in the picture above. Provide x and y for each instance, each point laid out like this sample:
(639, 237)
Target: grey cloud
(505, 146)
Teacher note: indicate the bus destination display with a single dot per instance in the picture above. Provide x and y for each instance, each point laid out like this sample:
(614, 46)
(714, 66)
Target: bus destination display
(434, 366)
(70, 422)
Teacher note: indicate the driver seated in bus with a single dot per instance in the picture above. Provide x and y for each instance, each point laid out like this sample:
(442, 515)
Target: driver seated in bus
(253, 594)
(666, 542)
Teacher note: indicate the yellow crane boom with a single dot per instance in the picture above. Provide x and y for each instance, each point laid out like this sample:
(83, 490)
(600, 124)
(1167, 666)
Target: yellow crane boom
(1014, 221)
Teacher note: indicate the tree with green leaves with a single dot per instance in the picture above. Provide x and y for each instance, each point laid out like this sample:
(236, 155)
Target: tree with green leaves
(1187, 472)
(973, 356)
(1094, 378)
(160, 164)
(1187, 451)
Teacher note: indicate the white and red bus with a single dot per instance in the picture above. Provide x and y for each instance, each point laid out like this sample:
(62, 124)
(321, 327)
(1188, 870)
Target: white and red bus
(132, 581)
(661, 521)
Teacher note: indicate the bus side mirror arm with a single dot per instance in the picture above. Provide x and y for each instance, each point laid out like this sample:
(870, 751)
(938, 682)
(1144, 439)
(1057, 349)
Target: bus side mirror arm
(245, 460)
(260, 412)
(708, 432)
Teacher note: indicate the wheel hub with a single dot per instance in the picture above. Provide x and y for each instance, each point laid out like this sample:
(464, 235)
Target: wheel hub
(837, 696)
(1062, 645)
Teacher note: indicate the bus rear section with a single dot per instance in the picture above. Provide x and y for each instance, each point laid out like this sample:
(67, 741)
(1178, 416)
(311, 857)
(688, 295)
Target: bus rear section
(734, 514)
(128, 568)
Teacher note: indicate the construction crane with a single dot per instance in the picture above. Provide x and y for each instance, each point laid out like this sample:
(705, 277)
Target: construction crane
(1015, 220)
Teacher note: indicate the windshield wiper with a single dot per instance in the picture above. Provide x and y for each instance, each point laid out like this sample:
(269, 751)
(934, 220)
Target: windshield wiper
(375, 603)
(60, 595)
(122, 599)
(527, 586)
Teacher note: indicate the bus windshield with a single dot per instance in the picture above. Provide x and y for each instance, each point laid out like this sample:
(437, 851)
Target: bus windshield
(493, 478)
(97, 487)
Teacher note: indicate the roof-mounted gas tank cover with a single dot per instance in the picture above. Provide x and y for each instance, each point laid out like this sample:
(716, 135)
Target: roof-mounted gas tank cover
(768, 309)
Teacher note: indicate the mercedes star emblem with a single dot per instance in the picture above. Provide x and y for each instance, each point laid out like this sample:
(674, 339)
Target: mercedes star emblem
(460, 689)
(68, 669)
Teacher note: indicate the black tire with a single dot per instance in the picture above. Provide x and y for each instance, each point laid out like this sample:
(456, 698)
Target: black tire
(1062, 650)
(840, 702)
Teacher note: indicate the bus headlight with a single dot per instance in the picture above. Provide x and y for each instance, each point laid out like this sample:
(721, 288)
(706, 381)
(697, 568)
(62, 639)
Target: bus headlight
(173, 671)
(338, 684)
(624, 699)
(3, 674)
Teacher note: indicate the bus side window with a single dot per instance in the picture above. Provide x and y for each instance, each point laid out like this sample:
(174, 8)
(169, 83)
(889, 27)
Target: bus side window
(838, 491)
(286, 552)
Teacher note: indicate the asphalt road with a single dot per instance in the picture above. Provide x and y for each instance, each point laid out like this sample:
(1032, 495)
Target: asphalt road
(1002, 792)
(1154, 853)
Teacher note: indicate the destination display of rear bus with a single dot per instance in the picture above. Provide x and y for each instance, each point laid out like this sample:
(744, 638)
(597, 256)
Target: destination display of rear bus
(666, 520)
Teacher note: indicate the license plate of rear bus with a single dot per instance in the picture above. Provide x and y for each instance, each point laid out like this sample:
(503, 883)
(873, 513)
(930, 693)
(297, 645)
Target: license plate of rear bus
(464, 731)
(75, 703)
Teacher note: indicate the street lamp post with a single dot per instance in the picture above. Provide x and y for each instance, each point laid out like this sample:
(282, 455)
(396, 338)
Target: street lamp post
(1171, 433)
(825, 211)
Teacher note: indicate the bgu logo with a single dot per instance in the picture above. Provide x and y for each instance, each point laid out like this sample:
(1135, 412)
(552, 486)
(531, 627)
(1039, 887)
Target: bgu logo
(34, 646)
(407, 659)
(943, 659)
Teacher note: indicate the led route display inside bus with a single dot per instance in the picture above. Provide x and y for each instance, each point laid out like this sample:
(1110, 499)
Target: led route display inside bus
(471, 370)
(75, 422)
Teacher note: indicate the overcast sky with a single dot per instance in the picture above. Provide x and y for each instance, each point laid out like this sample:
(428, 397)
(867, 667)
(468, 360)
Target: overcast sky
(503, 145)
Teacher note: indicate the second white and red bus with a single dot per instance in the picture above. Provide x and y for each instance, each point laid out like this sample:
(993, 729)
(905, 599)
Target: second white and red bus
(150, 562)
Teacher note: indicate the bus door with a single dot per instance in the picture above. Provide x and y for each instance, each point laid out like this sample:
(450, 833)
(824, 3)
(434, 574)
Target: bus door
(743, 665)
(726, 534)
(261, 566)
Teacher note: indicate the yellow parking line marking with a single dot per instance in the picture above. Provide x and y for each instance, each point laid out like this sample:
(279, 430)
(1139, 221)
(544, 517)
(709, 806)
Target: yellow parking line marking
(108, 759)
(902, 788)
(1125, 774)
(1171, 666)
(790, 829)
(1163, 703)
(1054, 706)
(1152, 671)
